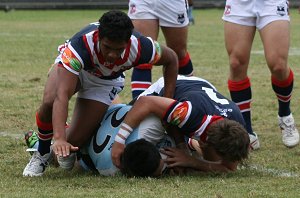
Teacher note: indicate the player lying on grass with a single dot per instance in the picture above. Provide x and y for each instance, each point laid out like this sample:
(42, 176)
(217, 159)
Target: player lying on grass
(197, 111)
(222, 145)
(97, 154)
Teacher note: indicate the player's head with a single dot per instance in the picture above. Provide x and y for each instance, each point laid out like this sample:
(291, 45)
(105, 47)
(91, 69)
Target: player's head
(116, 26)
(115, 30)
(141, 159)
(229, 139)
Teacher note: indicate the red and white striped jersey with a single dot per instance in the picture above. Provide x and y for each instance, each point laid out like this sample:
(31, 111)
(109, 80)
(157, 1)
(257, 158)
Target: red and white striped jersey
(82, 52)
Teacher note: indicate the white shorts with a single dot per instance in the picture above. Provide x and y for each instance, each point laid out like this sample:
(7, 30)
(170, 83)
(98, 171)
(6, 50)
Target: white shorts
(169, 13)
(101, 90)
(258, 13)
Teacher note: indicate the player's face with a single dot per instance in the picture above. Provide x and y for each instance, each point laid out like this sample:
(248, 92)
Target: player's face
(111, 50)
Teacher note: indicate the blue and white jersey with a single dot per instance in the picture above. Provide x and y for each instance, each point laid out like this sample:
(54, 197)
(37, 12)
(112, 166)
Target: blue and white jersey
(99, 148)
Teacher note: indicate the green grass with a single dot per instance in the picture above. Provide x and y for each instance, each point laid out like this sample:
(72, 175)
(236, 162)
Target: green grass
(28, 43)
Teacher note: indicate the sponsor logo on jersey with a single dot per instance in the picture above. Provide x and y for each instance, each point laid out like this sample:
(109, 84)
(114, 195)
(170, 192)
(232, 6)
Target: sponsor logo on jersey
(99, 148)
(179, 114)
(70, 60)
(75, 64)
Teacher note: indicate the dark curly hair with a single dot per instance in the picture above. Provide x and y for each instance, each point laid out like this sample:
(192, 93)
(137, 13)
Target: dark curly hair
(140, 159)
(116, 26)
(229, 139)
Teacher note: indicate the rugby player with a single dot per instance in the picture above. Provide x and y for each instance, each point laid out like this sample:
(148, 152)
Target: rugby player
(272, 20)
(148, 16)
(91, 64)
(198, 111)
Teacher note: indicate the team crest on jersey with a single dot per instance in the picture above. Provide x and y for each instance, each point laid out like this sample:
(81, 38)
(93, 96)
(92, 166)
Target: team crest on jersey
(70, 60)
(180, 18)
(180, 113)
(281, 11)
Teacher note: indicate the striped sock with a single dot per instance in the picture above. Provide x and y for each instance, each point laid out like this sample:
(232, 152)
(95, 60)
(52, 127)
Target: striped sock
(241, 94)
(140, 81)
(186, 66)
(45, 134)
(283, 90)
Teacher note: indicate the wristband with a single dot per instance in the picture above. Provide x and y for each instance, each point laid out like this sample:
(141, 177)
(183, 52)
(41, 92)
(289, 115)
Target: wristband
(126, 127)
(119, 139)
(123, 133)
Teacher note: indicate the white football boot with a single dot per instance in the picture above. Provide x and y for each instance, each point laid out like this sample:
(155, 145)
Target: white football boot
(254, 142)
(37, 164)
(290, 134)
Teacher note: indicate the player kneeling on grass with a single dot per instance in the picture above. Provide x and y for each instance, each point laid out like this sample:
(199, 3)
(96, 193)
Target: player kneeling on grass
(199, 112)
(91, 64)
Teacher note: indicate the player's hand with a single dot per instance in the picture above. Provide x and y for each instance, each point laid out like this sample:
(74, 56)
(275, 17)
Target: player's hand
(116, 152)
(62, 148)
(177, 157)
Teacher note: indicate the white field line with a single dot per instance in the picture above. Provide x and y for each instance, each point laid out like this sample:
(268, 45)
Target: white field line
(40, 35)
(292, 52)
(14, 135)
(270, 171)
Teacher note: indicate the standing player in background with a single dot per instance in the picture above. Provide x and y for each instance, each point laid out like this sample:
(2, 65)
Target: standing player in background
(91, 63)
(271, 19)
(171, 16)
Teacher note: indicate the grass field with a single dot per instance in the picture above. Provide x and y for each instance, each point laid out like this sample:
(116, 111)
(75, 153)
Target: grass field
(28, 43)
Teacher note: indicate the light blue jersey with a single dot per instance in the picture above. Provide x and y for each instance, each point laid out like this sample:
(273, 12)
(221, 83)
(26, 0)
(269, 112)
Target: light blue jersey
(99, 148)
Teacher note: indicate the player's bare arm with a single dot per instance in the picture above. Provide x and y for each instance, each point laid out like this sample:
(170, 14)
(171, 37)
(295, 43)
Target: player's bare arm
(169, 61)
(66, 87)
(143, 107)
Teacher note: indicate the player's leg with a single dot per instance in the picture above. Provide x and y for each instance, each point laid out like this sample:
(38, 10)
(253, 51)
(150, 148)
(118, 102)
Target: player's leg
(40, 159)
(85, 121)
(282, 79)
(141, 75)
(238, 42)
(176, 39)
(174, 25)
(142, 14)
(93, 99)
